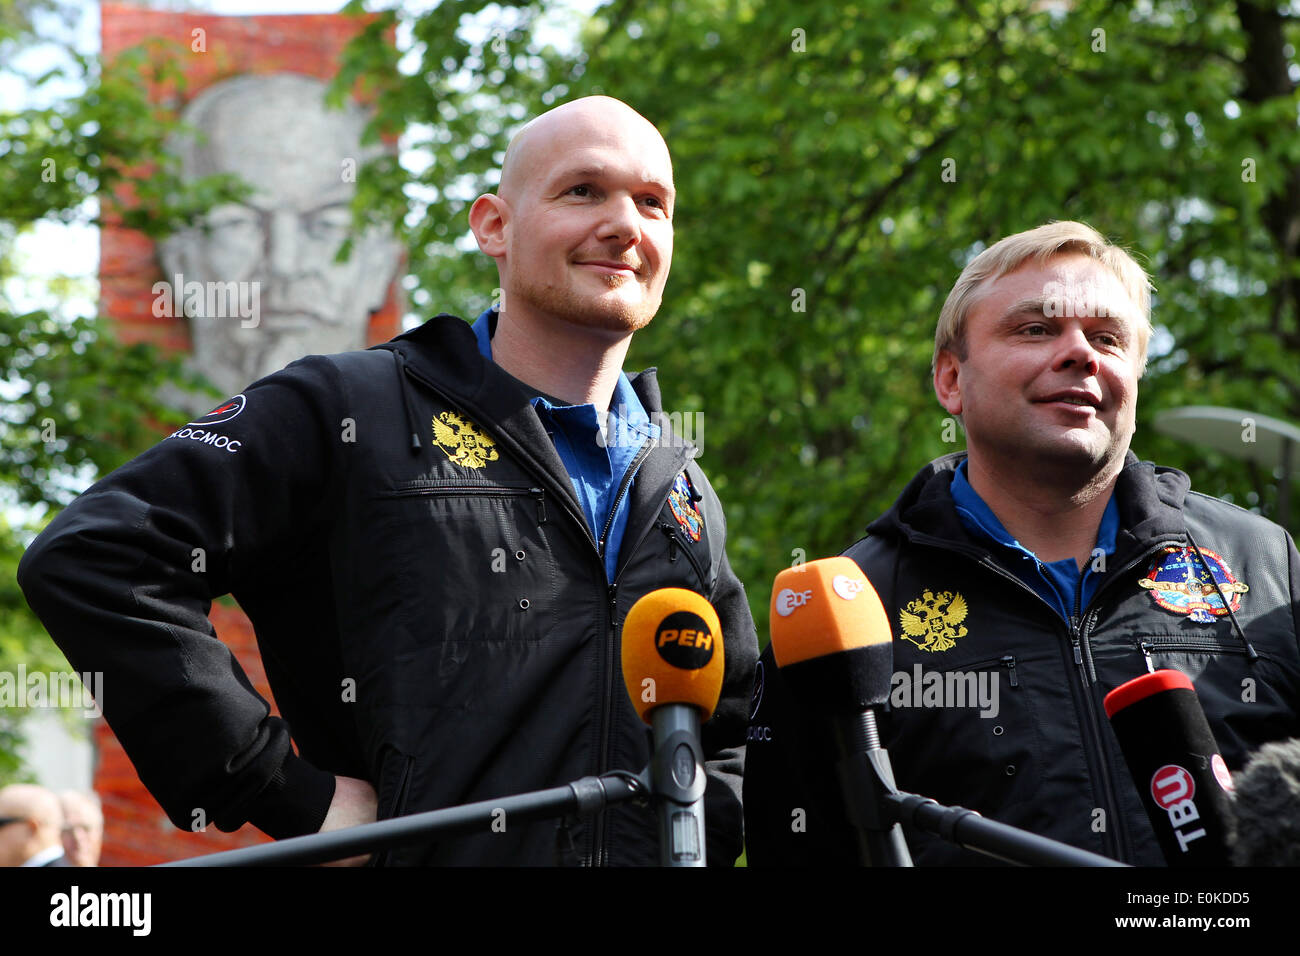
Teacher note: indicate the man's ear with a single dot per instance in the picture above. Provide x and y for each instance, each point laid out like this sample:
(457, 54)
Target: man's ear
(487, 218)
(946, 381)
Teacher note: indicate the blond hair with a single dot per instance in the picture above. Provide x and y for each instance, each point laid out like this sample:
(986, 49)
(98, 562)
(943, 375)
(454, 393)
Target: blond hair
(1007, 255)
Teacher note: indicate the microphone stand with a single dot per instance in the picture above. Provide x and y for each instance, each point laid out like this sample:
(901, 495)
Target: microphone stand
(1002, 842)
(866, 770)
(582, 798)
(866, 777)
(677, 783)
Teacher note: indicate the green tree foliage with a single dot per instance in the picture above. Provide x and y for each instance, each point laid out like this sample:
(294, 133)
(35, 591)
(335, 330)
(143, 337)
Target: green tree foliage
(838, 163)
(76, 402)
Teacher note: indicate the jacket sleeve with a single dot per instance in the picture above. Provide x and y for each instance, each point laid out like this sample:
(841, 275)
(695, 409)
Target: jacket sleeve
(124, 577)
(723, 737)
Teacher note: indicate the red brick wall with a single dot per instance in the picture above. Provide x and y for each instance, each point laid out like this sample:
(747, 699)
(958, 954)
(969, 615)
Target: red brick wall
(136, 831)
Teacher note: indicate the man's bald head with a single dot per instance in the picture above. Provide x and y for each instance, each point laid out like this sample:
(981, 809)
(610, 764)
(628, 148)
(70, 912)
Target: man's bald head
(83, 827)
(29, 800)
(594, 119)
(37, 822)
(581, 224)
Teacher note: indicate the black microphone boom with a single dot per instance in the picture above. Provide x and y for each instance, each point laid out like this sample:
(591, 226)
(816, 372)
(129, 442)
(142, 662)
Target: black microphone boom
(582, 798)
(998, 840)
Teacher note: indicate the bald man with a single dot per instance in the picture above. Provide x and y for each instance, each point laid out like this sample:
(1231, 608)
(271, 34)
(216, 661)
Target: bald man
(437, 541)
(30, 821)
(83, 827)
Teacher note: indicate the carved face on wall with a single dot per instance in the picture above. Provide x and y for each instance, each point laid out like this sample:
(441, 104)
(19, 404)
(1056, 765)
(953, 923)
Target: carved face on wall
(258, 282)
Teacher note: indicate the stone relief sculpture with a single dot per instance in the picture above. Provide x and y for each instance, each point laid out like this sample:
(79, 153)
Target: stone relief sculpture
(258, 282)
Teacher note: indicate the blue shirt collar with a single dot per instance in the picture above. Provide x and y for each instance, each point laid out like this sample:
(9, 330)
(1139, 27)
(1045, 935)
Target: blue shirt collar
(625, 406)
(483, 333)
(980, 519)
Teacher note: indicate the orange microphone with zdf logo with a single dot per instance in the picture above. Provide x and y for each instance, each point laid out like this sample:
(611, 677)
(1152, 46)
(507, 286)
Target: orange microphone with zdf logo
(831, 637)
(673, 668)
(832, 643)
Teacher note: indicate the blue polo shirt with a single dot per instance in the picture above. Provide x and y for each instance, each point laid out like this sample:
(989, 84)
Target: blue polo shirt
(1057, 582)
(597, 459)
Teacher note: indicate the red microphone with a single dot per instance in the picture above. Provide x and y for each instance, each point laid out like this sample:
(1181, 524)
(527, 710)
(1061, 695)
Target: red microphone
(1176, 764)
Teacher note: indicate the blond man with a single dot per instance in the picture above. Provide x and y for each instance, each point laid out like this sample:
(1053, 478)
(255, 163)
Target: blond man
(1032, 573)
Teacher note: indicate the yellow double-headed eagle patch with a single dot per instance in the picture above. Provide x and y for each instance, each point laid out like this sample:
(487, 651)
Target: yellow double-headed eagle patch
(933, 621)
(462, 441)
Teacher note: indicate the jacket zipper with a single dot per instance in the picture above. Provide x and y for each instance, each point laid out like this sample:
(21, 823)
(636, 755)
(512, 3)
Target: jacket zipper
(1080, 625)
(399, 802)
(459, 491)
(399, 805)
(675, 544)
(1087, 678)
(607, 697)
(450, 491)
(1180, 644)
(1078, 631)
(1007, 661)
(642, 453)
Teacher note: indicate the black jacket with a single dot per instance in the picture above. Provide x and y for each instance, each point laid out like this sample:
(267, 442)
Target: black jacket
(1048, 761)
(433, 617)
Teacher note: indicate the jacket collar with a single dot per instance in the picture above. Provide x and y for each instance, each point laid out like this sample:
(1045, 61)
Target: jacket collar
(1150, 500)
(444, 350)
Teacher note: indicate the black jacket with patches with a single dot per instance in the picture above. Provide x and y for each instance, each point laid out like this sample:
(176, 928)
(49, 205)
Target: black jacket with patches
(435, 618)
(1048, 761)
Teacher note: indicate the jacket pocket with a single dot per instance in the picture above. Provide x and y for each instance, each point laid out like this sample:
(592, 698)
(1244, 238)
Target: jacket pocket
(1246, 703)
(474, 560)
(968, 735)
(679, 547)
(1157, 648)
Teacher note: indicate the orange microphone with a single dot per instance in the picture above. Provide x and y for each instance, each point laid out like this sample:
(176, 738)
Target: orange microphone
(673, 668)
(831, 637)
(832, 643)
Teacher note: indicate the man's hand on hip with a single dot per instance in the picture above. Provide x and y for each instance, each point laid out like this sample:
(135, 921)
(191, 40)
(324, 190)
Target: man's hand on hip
(355, 802)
